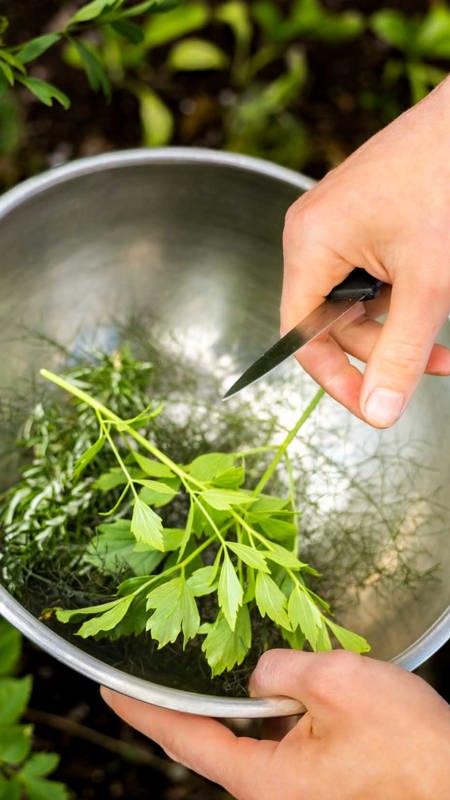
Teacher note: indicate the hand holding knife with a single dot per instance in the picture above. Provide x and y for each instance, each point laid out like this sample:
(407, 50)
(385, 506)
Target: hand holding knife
(358, 286)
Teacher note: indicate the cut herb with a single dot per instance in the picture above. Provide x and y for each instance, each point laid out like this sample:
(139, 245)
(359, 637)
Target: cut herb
(223, 550)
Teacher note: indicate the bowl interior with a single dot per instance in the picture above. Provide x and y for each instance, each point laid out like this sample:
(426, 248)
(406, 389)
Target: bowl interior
(195, 243)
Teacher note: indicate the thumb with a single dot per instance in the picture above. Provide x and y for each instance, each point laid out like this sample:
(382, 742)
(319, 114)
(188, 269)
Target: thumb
(401, 353)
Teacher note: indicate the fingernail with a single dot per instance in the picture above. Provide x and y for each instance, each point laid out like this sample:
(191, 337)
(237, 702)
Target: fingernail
(383, 407)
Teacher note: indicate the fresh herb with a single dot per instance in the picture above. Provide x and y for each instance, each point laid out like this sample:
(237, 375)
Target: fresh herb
(237, 544)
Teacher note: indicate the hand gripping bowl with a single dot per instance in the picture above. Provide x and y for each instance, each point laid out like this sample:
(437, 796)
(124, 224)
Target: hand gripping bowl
(194, 237)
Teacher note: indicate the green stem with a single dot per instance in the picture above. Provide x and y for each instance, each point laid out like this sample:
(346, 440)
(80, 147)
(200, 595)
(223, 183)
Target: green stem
(119, 460)
(287, 441)
(106, 412)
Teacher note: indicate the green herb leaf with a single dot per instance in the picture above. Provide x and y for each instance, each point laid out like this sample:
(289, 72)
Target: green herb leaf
(229, 592)
(146, 525)
(249, 555)
(285, 558)
(271, 600)
(223, 499)
(74, 614)
(348, 639)
(106, 621)
(207, 467)
(278, 529)
(151, 467)
(88, 456)
(173, 538)
(156, 493)
(166, 621)
(303, 613)
(203, 581)
(115, 548)
(225, 647)
(232, 478)
(190, 616)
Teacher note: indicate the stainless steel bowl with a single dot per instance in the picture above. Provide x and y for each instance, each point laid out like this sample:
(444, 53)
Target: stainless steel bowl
(194, 236)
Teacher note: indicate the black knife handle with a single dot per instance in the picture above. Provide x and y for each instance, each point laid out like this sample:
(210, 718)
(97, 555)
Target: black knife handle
(359, 284)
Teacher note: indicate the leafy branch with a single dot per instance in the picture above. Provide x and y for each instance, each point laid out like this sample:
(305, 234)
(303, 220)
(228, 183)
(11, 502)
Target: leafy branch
(237, 547)
(116, 15)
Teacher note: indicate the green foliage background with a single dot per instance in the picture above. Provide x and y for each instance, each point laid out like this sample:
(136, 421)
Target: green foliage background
(301, 82)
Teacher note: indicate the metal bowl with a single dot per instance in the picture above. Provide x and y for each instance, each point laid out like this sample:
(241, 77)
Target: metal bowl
(195, 237)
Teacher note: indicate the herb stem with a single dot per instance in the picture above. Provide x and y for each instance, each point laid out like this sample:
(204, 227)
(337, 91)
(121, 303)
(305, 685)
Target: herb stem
(287, 441)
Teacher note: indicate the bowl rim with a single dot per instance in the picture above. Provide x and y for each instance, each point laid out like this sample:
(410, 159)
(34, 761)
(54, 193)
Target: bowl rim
(54, 644)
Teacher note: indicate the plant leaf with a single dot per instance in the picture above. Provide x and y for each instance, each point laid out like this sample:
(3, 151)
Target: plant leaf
(202, 581)
(40, 764)
(156, 493)
(45, 92)
(15, 743)
(108, 620)
(96, 75)
(225, 648)
(164, 28)
(433, 35)
(271, 600)
(10, 647)
(166, 621)
(14, 696)
(229, 592)
(208, 466)
(190, 616)
(151, 467)
(36, 47)
(92, 10)
(304, 614)
(115, 548)
(278, 529)
(223, 499)
(149, 5)
(196, 54)
(146, 526)
(394, 28)
(249, 555)
(88, 456)
(129, 30)
(74, 614)
(348, 639)
(285, 558)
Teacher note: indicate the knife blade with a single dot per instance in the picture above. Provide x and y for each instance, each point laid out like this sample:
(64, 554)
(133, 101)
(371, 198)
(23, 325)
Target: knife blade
(358, 286)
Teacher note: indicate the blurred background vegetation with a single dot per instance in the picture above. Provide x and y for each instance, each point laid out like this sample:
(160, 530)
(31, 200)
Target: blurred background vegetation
(300, 82)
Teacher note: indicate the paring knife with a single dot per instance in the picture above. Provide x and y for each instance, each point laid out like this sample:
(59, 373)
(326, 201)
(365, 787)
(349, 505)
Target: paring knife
(357, 286)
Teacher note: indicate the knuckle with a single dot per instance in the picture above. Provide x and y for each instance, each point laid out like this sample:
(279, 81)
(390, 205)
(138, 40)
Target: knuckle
(334, 675)
(303, 220)
(404, 355)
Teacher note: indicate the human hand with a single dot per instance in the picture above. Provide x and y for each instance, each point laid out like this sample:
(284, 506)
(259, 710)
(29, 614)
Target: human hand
(371, 732)
(387, 209)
